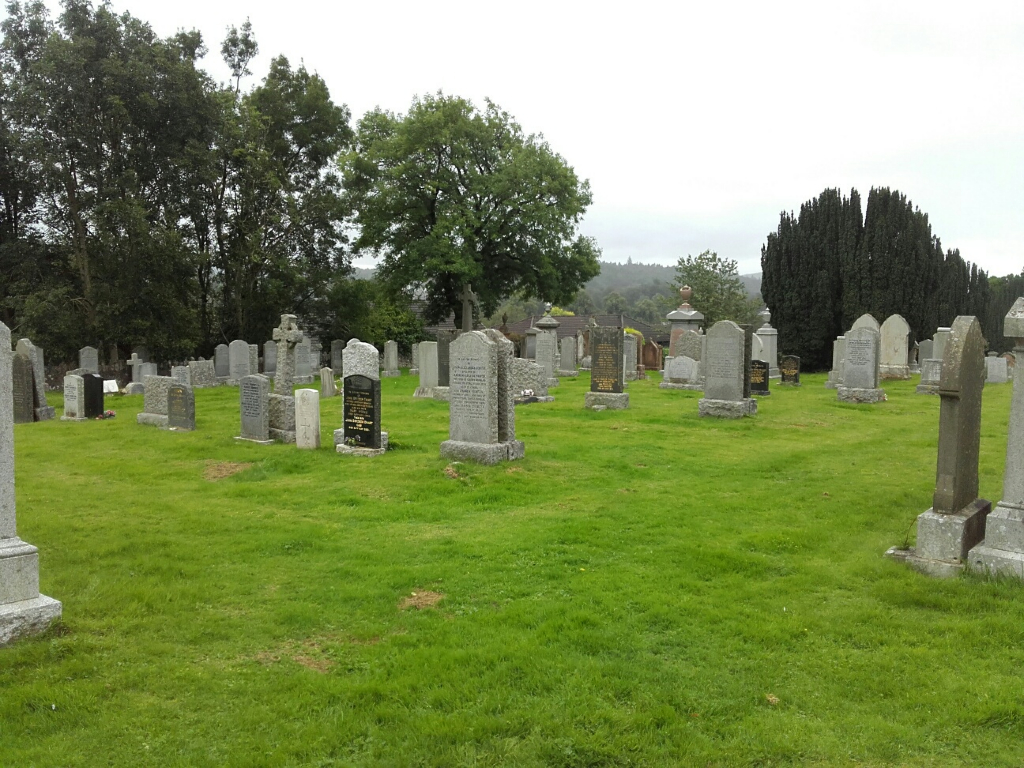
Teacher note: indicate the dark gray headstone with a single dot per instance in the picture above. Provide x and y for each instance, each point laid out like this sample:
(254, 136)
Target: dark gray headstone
(789, 365)
(93, 395)
(23, 388)
(606, 354)
(759, 378)
(270, 358)
(181, 407)
(221, 361)
(337, 364)
(725, 367)
(444, 342)
(238, 360)
(362, 412)
(254, 395)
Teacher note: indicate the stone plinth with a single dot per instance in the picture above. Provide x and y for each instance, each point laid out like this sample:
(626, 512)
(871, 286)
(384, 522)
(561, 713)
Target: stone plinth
(726, 409)
(944, 540)
(860, 395)
(355, 450)
(600, 401)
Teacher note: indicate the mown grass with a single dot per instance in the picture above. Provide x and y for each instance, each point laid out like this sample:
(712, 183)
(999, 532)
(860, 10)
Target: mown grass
(645, 588)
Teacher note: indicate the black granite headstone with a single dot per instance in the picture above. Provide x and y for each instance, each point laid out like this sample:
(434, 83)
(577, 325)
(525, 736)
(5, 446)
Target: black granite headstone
(606, 352)
(759, 378)
(23, 381)
(444, 341)
(362, 411)
(789, 366)
(93, 395)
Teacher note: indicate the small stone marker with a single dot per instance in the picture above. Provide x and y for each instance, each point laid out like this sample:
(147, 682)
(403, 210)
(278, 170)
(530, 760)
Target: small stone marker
(89, 359)
(567, 357)
(681, 372)
(270, 358)
(726, 381)
(931, 373)
(93, 389)
(181, 407)
(202, 374)
(23, 611)
(789, 366)
(391, 368)
(154, 403)
(307, 418)
(361, 434)
(221, 361)
(254, 394)
(530, 345)
(287, 335)
(860, 367)
(22, 384)
(529, 385)
(74, 398)
(327, 386)
(995, 369)
(238, 361)
(606, 370)
(182, 374)
(1002, 550)
(956, 520)
(759, 378)
(924, 350)
(428, 370)
(894, 351)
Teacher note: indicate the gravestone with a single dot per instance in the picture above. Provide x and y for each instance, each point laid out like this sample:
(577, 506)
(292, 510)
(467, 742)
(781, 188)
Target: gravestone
(182, 374)
(89, 359)
(303, 361)
(428, 369)
(547, 352)
(914, 358)
(683, 320)
(530, 345)
(281, 410)
(629, 359)
(270, 358)
(867, 321)
(606, 370)
(74, 398)
(23, 611)
(835, 376)
(221, 361)
(759, 378)
(894, 348)
(135, 363)
(154, 403)
(925, 350)
(444, 342)
(287, 337)
(337, 364)
(360, 358)
(415, 369)
(238, 361)
(315, 354)
(529, 385)
(181, 407)
(22, 386)
(726, 381)
(327, 386)
(860, 367)
(254, 358)
(1002, 551)
(391, 359)
(956, 520)
(42, 411)
(789, 367)
(254, 409)
(202, 374)
(756, 347)
(92, 388)
(481, 411)
(567, 357)
(995, 369)
(931, 373)
(681, 372)
(147, 369)
(769, 343)
(307, 418)
(360, 433)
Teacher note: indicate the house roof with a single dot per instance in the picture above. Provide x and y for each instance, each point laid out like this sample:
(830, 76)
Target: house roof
(570, 325)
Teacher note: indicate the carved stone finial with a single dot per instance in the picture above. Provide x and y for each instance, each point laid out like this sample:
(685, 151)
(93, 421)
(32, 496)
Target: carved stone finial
(686, 293)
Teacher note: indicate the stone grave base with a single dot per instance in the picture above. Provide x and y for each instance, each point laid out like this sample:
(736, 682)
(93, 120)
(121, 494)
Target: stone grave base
(390, 374)
(893, 372)
(568, 374)
(774, 373)
(46, 413)
(254, 440)
(483, 453)
(552, 382)
(612, 401)
(680, 385)
(135, 388)
(352, 450)
(1002, 550)
(766, 393)
(152, 419)
(927, 389)
(282, 435)
(414, 371)
(726, 409)
(943, 541)
(73, 418)
(27, 617)
(630, 376)
(937, 569)
(533, 399)
(424, 392)
(858, 395)
(831, 385)
(441, 393)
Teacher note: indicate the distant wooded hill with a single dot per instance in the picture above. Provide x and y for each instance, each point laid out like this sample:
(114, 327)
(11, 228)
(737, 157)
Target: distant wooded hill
(624, 277)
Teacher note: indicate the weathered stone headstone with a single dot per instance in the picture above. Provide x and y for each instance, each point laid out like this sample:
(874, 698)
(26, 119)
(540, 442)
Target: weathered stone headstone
(683, 320)
(181, 407)
(629, 357)
(939, 343)
(835, 376)
(154, 403)
(182, 374)
(360, 358)
(361, 434)
(995, 369)
(894, 351)
(282, 417)
(327, 386)
(254, 409)
(254, 358)
(415, 369)
(23, 611)
(93, 400)
(391, 368)
(860, 367)
(545, 355)
(606, 370)
(925, 350)
(530, 345)
(202, 374)
(315, 354)
(428, 369)
(270, 358)
(867, 321)
(756, 347)
(74, 398)
(759, 378)
(287, 335)
(221, 361)
(444, 341)
(931, 373)
(307, 418)
(681, 372)
(303, 361)
(337, 364)
(529, 385)
(1002, 550)
(238, 361)
(135, 363)
(89, 359)
(789, 366)
(726, 381)
(147, 369)
(41, 410)
(22, 386)
(956, 520)
(567, 357)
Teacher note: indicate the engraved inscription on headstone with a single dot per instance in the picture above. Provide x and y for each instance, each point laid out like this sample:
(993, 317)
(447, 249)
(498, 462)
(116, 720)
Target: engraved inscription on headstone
(181, 407)
(362, 411)
(22, 381)
(254, 394)
(606, 350)
(790, 368)
(759, 377)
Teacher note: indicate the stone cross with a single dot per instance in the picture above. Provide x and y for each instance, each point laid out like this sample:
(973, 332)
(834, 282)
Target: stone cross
(136, 363)
(287, 336)
(468, 299)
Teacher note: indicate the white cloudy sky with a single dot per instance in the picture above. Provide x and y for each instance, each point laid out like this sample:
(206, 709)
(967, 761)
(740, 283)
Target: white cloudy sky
(696, 123)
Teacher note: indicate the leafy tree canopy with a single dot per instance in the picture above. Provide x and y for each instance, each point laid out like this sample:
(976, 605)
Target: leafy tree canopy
(718, 291)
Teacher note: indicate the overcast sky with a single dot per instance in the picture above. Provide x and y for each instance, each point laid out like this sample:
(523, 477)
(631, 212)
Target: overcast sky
(696, 123)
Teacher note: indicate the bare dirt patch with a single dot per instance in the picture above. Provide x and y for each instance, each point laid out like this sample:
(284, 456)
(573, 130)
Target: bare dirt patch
(308, 653)
(218, 470)
(420, 599)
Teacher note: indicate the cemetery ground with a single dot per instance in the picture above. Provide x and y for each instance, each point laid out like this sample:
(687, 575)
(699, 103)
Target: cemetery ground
(644, 588)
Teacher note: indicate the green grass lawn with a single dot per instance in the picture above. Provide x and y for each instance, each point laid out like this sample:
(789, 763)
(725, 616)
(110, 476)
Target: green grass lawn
(644, 588)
